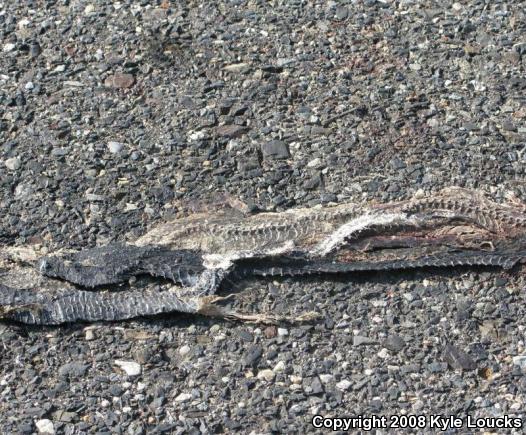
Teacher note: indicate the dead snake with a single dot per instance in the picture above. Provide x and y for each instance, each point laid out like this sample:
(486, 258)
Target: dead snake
(456, 227)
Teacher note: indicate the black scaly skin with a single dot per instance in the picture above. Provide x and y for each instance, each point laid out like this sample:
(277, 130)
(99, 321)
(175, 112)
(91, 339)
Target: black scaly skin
(294, 266)
(69, 304)
(116, 263)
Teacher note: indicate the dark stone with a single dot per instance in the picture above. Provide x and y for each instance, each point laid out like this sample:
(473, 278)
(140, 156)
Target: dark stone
(312, 183)
(225, 105)
(275, 149)
(231, 131)
(73, 369)
(238, 110)
(115, 390)
(157, 403)
(437, 367)
(35, 50)
(313, 386)
(246, 336)
(65, 416)
(396, 163)
(458, 359)
(252, 356)
(213, 86)
(342, 12)
(120, 81)
(509, 126)
(394, 343)
(143, 355)
(245, 165)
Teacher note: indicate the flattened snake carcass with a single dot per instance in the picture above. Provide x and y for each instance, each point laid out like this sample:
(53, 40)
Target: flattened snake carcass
(455, 227)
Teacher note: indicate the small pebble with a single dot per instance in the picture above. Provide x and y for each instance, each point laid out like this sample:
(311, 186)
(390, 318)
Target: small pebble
(115, 147)
(283, 332)
(120, 81)
(9, 46)
(326, 378)
(279, 367)
(184, 350)
(89, 9)
(89, 335)
(343, 385)
(45, 427)
(183, 397)
(266, 374)
(13, 163)
(131, 368)
(520, 361)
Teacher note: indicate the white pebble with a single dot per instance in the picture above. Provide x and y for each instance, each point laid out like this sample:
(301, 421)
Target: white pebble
(183, 397)
(236, 67)
(344, 385)
(266, 375)
(89, 335)
(296, 408)
(89, 9)
(115, 147)
(23, 23)
(326, 378)
(196, 135)
(13, 163)
(283, 331)
(279, 367)
(45, 426)
(130, 367)
(384, 353)
(296, 379)
(313, 163)
(520, 361)
(9, 47)
(184, 350)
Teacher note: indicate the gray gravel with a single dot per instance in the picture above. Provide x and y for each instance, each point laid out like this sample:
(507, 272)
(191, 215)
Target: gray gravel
(115, 116)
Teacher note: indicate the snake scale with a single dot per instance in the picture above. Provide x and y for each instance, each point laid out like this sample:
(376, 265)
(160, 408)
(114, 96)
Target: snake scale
(194, 255)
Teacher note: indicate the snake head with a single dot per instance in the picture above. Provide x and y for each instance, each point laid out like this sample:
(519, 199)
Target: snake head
(61, 268)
